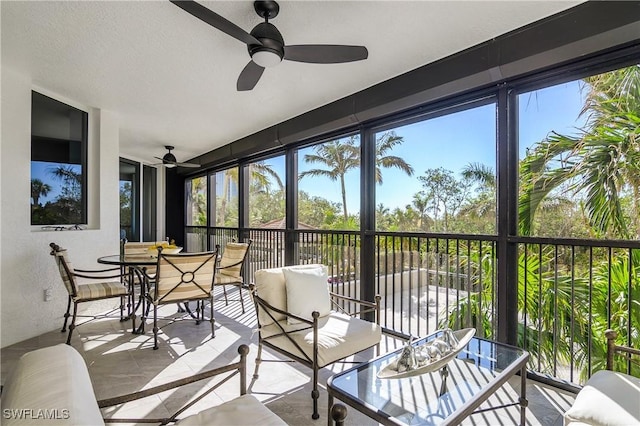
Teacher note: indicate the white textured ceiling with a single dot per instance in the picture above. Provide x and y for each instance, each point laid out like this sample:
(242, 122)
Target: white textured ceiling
(172, 78)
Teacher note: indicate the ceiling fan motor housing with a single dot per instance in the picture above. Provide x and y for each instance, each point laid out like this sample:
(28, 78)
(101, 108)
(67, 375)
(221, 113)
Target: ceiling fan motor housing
(271, 39)
(169, 158)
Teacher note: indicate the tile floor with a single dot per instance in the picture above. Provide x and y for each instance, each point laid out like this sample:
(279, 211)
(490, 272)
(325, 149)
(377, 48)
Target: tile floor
(120, 362)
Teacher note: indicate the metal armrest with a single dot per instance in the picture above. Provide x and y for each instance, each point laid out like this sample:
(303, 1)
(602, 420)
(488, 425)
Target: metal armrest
(368, 306)
(97, 277)
(93, 271)
(235, 368)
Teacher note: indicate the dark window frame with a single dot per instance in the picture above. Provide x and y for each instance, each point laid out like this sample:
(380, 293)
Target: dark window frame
(83, 155)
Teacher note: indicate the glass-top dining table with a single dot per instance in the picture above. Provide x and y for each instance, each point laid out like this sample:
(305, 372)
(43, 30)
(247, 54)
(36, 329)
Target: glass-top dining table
(135, 267)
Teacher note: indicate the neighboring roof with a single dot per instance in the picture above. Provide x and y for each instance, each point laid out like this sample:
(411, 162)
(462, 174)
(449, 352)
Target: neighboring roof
(281, 224)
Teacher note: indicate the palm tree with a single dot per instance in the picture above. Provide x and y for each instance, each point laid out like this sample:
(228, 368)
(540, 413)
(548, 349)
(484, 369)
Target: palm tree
(339, 157)
(261, 173)
(39, 189)
(421, 203)
(197, 201)
(385, 143)
(601, 163)
(483, 204)
(71, 177)
(382, 217)
(482, 174)
(343, 155)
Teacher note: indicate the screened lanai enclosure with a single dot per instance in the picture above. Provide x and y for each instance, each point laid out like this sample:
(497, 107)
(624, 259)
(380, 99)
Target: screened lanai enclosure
(513, 208)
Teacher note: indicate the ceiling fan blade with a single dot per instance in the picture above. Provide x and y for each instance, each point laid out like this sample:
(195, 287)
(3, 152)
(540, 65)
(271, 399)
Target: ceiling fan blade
(325, 53)
(249, 77)
(189, 165)
(175, 163)
(216, 21)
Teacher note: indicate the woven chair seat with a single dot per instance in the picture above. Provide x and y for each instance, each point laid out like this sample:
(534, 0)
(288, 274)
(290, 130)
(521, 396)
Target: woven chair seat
(100, 290)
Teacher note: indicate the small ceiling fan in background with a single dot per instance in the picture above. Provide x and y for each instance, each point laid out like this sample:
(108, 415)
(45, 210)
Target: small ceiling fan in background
(266, 45)
(169, 160)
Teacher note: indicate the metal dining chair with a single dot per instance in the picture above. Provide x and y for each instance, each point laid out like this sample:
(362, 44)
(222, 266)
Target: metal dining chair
(183, 278)
(231, 268)
(98, 289)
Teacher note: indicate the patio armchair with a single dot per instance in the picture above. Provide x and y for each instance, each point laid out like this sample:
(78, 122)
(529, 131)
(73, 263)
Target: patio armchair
(298, 317)
(55, 380)
(609, 397)
(231, 268)
(98, 289)
(182, 278)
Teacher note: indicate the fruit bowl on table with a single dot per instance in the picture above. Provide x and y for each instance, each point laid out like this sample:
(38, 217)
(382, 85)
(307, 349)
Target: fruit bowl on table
(153, 251)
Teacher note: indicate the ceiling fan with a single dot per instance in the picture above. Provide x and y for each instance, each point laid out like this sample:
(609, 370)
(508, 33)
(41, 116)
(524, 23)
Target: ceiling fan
(169, 160)
(266, 45)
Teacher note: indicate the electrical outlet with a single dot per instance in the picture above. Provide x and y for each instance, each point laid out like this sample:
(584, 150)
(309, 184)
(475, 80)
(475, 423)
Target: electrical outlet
(48, 294)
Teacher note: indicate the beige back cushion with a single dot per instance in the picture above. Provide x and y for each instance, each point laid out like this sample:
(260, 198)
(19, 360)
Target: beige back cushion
(184, 277)
(133, 248)
(67, 280)
(233, 254)
(270, 286)
(136, 248)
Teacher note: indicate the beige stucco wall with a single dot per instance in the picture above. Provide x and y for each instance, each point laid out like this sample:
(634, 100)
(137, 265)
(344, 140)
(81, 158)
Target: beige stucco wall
(26, 268)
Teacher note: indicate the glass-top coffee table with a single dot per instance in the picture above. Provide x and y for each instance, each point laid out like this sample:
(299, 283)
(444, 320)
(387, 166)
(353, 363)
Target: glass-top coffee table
(478, 371)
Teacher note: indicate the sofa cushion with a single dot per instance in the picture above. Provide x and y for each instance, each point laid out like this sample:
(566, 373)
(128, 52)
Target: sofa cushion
(244, 410)
(52, 382)
(339, 336)
(608, 398)
(307, 291)
(270, 286)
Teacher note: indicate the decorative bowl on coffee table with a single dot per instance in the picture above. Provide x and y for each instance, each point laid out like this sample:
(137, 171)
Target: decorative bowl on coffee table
(398, 369)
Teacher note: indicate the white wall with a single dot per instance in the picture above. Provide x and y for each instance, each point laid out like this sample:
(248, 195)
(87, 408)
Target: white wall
(26, 268)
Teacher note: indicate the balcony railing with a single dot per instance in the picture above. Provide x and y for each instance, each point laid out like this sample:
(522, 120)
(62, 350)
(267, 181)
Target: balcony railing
(569, 291)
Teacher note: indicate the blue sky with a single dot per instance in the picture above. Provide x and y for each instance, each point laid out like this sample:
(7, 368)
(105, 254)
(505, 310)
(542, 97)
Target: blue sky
(42, 170)
(452, 142)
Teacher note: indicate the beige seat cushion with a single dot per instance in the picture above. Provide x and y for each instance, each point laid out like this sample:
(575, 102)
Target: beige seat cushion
(52, 379)
(339, 336)
(244, 410)
(100, 290)
(607, 399)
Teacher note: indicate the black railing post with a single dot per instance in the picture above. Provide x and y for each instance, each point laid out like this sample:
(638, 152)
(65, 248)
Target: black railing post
(507, 288)
(211, 210)
(291, 256)
(243, 198)
(367, 217)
